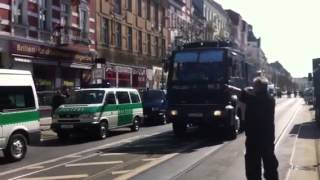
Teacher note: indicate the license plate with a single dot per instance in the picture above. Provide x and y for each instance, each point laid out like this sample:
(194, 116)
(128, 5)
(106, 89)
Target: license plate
(196, 115)
(67, 126)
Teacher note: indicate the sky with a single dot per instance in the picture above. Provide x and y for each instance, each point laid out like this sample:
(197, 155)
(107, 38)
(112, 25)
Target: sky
(289, 30)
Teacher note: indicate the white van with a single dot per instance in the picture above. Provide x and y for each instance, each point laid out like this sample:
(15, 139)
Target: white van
(19, 115)
(98, 110)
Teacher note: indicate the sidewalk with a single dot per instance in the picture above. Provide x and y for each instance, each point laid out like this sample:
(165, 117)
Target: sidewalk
(305, 157)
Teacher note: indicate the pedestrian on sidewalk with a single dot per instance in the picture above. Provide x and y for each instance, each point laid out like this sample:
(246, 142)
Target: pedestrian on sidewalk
(259, 130)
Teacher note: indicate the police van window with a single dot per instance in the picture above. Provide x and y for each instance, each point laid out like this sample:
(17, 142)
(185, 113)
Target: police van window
(16, 97)
(211, 56)
(134, 97)
(111, 99)
(123, 97)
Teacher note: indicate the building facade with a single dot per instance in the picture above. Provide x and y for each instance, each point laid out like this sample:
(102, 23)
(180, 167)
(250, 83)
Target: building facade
(132, 38)
(53, 39)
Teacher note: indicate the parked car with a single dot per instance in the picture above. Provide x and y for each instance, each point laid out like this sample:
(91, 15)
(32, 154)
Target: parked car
(154, 105)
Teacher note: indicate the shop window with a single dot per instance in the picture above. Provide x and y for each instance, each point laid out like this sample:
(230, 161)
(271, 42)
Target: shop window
(134, 97)
(124, 79)
(123, 97)
(111, 77)
(44, 77)
(69, 76)
(16, 97)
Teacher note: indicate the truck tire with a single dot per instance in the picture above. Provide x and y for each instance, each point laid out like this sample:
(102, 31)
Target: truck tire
(63, 135)
(179, 129)
(231, 133)
(16, 148)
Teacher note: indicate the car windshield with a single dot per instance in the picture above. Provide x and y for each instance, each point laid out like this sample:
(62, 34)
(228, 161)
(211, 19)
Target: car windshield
(151, 96)
(198, 66)
(86, 97)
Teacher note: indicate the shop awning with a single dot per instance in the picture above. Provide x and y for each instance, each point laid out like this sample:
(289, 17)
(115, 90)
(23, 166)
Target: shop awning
(77, 65)
(37, 61)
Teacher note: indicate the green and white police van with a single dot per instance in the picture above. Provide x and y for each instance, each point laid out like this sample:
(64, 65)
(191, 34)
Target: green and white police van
(98, 110)
(19, 113)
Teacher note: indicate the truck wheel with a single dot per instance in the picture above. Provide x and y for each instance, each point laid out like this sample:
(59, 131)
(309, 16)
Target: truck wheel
(231, 133)
(63, 135)
(136, 125)
(179, 129)
(16, 148)
(102, 132)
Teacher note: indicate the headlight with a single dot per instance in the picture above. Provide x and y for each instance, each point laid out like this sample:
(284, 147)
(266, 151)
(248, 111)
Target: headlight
(174, 112)
(217, 113)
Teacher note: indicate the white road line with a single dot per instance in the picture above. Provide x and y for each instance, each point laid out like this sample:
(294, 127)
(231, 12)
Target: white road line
(36, 167)
(150, 159)
(74, 156)
(113, 154)
(93, 163)
(78, 176)
(120, 172)
(285, 130)
(66, 156)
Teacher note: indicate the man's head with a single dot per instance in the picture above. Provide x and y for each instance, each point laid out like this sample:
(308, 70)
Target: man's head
(260, 84)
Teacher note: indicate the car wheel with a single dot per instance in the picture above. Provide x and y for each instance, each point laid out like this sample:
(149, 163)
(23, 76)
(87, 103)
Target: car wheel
(16, 148)
(102, 132)
(179, 129)
(136, 125)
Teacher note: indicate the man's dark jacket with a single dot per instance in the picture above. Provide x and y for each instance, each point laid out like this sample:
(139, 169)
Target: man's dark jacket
(259, 116)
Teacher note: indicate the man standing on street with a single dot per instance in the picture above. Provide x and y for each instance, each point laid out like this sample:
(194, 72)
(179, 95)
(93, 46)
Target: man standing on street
(259, 130)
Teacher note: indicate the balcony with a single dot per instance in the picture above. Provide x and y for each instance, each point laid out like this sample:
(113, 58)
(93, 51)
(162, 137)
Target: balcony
(66, 35)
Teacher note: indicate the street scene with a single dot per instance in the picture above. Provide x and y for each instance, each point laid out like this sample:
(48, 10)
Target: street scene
(161, 90)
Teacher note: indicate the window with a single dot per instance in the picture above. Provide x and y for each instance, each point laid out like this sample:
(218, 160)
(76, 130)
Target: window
(43, 15)
(65, 15)
(149, 43)
(129, 38)
(157, 46)
(18, 12)
(139, 8)
(163, 47)
(105, 31)
(135, 97)
(111, 99)
(148, 10)
(129, 5)
(83, 20)
(139, 41)
(118, 35)
(156, 15)
(117, 6)
(18, 97)
(123, 97)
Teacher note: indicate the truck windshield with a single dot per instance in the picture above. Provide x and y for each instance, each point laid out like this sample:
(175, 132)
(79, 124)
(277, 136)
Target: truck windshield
(152, 96)
(198, 66)
(86, 97)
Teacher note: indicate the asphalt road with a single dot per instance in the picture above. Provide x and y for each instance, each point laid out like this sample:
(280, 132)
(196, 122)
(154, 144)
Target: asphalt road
(151, 153)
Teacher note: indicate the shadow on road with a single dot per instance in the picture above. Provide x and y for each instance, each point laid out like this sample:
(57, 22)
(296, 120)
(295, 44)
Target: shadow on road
(307, 130)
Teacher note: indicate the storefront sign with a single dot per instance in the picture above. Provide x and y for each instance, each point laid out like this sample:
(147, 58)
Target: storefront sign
(45, 52)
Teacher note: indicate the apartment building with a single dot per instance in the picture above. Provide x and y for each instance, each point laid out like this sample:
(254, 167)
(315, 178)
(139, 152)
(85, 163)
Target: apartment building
(132, 37)
(54, 39)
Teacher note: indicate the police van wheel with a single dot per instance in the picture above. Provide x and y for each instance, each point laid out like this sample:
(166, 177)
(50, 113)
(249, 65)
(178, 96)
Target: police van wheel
(231, 133)
(16, 148)
(179, 129)
(102, 132)
(136, 125)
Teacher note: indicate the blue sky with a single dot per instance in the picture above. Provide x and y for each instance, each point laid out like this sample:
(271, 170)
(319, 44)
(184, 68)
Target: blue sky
(289, 29)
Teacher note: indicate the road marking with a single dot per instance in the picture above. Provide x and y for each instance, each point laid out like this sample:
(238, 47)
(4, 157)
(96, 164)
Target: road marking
(120, 172)
(283, 133)
(74, 156)
(93, 163)
(145, 167)
(150, 159)
(66, 156)
(78, 176)
(113, 154)
(35, 167)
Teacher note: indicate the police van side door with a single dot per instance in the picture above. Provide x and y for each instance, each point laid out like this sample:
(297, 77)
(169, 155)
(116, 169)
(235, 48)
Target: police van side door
(111, 110)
